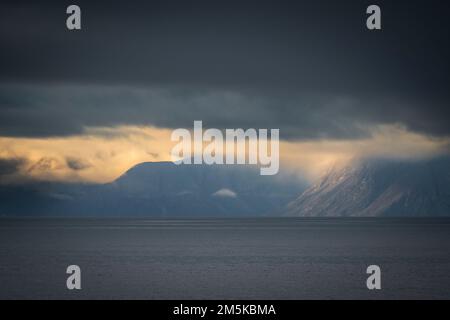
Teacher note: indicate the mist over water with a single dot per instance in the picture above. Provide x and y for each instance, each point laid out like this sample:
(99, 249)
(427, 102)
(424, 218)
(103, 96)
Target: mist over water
(225, 258)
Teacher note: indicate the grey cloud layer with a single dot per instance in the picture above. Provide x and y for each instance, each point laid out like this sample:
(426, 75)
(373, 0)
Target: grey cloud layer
(68, 110)
(310, 68)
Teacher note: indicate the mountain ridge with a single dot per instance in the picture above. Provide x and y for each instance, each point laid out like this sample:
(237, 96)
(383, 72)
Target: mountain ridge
(378, 187)
(159, 189)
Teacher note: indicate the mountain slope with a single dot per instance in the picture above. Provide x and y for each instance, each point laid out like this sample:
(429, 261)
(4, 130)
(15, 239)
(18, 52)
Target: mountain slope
(379, 188)
(160, 189)
(200, 190)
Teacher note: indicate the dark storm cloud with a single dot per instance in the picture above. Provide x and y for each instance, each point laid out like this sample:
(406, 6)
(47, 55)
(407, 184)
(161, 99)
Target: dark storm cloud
(310, 68)
(58, 110)
(77, 163)
(10, 166)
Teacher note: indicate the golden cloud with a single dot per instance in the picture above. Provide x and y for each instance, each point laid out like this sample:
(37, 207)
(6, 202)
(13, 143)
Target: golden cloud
(101, 154)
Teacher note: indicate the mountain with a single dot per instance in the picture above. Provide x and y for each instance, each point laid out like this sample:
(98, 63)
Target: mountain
(379, 187)
(166, 189)
(366, 188)
(160, 189)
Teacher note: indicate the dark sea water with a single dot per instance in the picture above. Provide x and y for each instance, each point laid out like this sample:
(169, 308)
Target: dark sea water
(225, 259)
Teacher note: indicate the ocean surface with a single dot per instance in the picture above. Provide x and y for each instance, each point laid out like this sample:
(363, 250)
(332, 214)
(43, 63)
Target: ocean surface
(225, 258)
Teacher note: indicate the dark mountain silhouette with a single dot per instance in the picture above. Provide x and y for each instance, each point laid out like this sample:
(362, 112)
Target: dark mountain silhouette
(364, 188)
(379, 187)
(160, 189)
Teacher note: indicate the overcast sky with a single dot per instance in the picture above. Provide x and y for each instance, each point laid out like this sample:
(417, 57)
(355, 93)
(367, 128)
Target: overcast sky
(310, 68)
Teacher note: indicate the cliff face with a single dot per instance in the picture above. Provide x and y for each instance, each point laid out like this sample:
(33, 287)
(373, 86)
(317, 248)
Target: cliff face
(370, 188)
